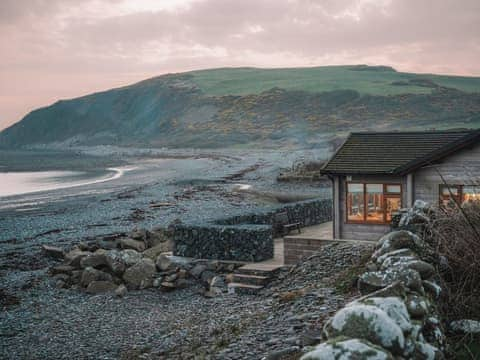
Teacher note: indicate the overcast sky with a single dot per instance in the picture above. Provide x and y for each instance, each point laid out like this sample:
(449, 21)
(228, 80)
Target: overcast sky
(57, 49)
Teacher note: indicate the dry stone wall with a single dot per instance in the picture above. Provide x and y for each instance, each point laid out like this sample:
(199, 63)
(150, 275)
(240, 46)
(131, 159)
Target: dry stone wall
(396, 317)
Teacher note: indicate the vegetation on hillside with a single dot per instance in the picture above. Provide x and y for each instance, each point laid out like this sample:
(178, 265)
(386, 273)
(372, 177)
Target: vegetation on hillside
(301, 108)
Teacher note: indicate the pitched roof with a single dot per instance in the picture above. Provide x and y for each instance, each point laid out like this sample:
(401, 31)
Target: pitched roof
(396, 152)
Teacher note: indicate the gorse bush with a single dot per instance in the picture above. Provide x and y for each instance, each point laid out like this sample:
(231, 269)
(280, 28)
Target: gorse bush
(454, 234)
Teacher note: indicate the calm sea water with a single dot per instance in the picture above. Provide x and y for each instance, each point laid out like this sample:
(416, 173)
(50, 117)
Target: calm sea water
(15, 183)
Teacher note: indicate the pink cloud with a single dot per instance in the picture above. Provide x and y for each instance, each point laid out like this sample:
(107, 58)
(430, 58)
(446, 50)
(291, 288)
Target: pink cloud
(58, 49)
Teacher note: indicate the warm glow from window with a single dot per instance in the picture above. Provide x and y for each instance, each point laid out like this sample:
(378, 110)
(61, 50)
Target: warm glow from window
(355, 201)
(372, 203)
(451, 194)
(375, 208)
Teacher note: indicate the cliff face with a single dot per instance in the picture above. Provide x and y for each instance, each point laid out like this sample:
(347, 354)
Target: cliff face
(254, 107)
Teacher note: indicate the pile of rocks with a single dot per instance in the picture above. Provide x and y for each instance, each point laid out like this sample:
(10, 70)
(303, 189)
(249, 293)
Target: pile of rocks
(140, 260)
(396, 317)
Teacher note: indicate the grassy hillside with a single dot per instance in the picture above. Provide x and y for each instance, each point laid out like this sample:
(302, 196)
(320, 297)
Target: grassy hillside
(380, 80)
(304, 107)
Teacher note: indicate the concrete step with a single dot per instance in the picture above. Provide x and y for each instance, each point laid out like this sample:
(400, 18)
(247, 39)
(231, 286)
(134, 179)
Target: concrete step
(240, 288)
(250, 279)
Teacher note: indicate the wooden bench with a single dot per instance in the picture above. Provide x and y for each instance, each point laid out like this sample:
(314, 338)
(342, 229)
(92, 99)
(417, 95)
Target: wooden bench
(284, 224)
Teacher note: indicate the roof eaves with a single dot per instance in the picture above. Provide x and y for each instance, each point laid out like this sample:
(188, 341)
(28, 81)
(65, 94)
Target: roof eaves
(325, 172)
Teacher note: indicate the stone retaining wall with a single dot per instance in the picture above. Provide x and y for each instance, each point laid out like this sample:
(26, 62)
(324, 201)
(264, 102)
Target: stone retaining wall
(245, 237)
(239, 243)
(396, 318)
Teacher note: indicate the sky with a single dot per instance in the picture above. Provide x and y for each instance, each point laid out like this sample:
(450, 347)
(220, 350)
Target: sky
(59, 49)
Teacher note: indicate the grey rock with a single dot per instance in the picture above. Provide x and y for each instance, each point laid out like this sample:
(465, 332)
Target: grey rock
(167, 286)
(100, 287)
(121, 291)
(425, 351)
(53, 252)
(130, 257)
(140, 275)
(132, 244)
(393, 306)
(397, 240)
(163, 262)
(97, 259)
(115, 262)
(75, 256)
(138, 234)
(465, 326)
(367, 322)
(197, 270)
(372, 281)
(62, 269)
(417, 306)
(348, 349)
(156, 250)
(90, 274)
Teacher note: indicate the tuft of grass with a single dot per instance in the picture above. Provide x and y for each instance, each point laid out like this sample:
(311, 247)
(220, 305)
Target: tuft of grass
(346, 281)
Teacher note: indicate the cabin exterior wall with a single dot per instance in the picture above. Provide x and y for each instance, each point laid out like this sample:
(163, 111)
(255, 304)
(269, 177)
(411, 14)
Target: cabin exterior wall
(462, 168)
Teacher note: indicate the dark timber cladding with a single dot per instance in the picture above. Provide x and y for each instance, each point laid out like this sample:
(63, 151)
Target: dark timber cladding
(396, 152)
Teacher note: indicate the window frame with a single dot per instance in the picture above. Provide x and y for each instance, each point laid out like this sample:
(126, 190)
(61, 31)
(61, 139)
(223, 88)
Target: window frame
(385, 194)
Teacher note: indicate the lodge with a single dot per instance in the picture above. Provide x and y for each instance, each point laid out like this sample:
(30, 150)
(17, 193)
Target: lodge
(374, 174)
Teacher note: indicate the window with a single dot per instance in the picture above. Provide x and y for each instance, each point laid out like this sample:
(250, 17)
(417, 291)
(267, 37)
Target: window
(355, 201)
(372, 203)
(375, 209)
(451, 194)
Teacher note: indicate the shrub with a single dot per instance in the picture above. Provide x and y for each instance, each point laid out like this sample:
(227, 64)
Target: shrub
(454, 234)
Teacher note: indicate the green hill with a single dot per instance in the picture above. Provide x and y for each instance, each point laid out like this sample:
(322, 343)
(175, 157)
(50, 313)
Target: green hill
(298, 107)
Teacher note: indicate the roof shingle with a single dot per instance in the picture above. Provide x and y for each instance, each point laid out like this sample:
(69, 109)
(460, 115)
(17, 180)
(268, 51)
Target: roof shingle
(396, 152)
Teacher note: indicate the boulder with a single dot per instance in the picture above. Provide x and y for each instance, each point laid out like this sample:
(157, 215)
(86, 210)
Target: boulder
(167, 286)
(197, 270)
(397, 240)
(425, 269)
(121, 291)
(130, 257)
(366, 322)
(140, 275)
(100, 287)
(425, 351)
(207, 276)
(417, 306)
(90, 274)
(393, 306)
(398, 252)
(95, 260)
(163, 262)
(115, 262)
(375, 280)
(62, 269)
(156, 250)
(138, 234)
(75, 256)
(465, 326)
(53, 251)
(132, 244)
(348, 349)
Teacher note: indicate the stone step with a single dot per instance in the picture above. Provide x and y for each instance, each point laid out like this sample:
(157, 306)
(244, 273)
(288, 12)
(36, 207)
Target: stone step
(240, 288)
(250, 279)
(259, 269)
